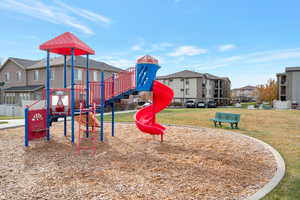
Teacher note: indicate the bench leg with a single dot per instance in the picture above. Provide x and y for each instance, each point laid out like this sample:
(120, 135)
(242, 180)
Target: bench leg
(220, 124)
(215, 123)
(231, 124)
(236, 125)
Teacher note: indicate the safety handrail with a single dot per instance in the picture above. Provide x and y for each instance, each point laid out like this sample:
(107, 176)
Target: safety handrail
(34, 103)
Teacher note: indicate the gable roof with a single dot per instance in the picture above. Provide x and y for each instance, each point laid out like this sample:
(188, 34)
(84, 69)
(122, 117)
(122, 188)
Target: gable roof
(23, 63)
(210, 76)
(191, 74)
(80, 61)
(64, 43)
(248, 87)
(182, 74)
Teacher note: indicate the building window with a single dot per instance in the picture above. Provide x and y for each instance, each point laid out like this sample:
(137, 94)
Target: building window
(25, 96)
(10, 98)
(182, 80)
(52, 75)
(181, 90)
(7, 76)
(36, 75)
(170, 80)
(95, 76)
(187, 91)
(187, 82)
(18, 74)
(78, 74)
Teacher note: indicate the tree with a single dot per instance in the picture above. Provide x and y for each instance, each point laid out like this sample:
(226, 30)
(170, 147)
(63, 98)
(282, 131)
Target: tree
(267, 92)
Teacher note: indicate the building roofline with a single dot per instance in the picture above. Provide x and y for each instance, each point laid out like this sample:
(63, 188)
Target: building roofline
(12, 60)
(292, 69)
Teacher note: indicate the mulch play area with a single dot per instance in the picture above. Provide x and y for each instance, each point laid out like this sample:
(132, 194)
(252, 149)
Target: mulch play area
(190, 164)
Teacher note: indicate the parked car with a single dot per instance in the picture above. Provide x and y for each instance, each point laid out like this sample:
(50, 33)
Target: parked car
(201, 104)
(190, 104)
(143, 104)
(211, 104)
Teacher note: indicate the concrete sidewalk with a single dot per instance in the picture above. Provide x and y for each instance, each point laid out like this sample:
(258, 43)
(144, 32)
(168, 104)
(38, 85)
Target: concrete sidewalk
(13, 123)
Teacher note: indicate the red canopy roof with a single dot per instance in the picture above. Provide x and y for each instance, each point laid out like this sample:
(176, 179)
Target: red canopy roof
(147, 59)
(63, 44)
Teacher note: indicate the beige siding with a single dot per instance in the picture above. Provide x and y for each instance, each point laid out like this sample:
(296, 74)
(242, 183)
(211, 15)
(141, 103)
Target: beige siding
(58, 76)
(180, 86)
(12, 69)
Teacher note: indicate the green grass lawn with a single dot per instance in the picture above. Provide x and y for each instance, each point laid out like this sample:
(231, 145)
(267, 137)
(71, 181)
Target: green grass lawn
(245, 105)
(281, 129)
(3, 122)
(9, 117)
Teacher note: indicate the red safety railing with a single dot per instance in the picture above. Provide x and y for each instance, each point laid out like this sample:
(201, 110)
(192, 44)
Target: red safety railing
(113, 86)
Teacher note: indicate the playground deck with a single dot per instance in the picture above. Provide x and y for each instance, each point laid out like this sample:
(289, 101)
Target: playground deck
(191, 163)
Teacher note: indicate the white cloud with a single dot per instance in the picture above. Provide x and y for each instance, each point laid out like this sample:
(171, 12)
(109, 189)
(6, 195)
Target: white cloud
(160, 46)
(226, 47)
(136, 47)
(251, 58)
(188, 51)
(56, 14)
(92, 16)
(117, 61)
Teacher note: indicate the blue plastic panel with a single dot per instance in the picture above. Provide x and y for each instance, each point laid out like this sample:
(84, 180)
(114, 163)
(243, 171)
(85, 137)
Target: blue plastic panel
(145, 75)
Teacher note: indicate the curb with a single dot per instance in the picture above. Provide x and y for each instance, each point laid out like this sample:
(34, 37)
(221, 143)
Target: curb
(279, 174)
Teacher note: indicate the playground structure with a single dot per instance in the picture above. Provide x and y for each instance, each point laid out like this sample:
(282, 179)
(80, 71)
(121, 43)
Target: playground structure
(82, 101)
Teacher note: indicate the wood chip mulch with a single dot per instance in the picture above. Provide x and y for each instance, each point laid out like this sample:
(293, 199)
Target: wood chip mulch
(190, 164)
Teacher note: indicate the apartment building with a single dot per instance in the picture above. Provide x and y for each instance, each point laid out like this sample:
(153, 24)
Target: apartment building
(244, 94)
(190, 85)
(23, 79)
(289, 85)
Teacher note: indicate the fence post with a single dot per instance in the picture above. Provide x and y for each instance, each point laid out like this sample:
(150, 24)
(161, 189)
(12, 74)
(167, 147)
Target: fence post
(26, 127)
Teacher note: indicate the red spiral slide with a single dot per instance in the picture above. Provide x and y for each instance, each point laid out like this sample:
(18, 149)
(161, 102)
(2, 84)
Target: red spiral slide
(145, 118)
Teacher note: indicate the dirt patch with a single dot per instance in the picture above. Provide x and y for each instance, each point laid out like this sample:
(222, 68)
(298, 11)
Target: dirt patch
(190, 164)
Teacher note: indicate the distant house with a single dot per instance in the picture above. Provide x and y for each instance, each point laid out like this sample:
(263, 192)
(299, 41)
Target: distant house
(244, 94)
(24, 79)
(289, 85)
(190, 85)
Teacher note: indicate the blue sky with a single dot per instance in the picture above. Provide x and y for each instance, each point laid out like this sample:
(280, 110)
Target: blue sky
(248, 41)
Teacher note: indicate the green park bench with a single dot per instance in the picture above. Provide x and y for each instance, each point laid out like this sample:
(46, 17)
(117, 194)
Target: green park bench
(231, 118)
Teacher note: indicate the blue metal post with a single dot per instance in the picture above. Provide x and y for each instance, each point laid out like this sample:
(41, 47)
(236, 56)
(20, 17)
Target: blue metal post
(113, 119)
(113, 108)
(87, 94)
(102, 106)
(26, 143)
(72, 97)
(48, 74)
(65, 86)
